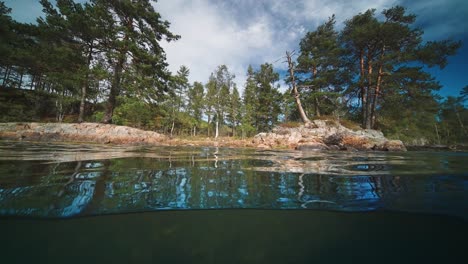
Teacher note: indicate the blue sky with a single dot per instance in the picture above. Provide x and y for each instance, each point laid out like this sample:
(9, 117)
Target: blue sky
(242, 32)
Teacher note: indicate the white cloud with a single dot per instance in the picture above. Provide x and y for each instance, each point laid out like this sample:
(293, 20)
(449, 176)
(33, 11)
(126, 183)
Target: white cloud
(243, 32)
(211, 38)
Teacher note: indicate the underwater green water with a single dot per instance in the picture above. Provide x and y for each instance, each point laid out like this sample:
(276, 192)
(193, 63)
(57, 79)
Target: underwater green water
(76, 203)
(237, 236)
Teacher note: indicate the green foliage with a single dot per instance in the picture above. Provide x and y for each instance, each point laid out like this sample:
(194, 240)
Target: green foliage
(133, 112)
(218, 94)
(234, 115)
(19, 105)
(379, 54)
(97, 116)
(176, 102)
(320, 70)
(262, 100)
(454, 119)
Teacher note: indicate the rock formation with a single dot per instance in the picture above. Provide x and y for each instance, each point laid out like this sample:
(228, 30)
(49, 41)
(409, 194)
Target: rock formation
(317, 135)
(327, 135)
(84, 132)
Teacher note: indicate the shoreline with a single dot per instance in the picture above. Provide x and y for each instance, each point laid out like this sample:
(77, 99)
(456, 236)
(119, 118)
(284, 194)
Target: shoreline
(318, 136)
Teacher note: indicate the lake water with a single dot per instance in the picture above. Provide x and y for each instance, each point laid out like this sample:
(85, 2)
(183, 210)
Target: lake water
(88, 203)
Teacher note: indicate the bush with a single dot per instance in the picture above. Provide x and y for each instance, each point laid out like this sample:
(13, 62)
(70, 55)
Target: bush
(97, 116)
(133, 112)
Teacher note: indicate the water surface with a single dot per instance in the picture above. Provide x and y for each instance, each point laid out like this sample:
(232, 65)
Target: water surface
(68, 180)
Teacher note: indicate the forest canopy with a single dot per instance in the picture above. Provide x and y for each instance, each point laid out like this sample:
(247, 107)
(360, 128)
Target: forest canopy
(102, 61)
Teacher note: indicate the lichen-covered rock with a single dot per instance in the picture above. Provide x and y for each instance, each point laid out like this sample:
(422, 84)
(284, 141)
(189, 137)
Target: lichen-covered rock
(327, 135)
(84, 132)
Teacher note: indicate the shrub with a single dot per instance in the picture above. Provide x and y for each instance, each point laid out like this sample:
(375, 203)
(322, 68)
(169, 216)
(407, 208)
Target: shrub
(132, 112)
(97, 116)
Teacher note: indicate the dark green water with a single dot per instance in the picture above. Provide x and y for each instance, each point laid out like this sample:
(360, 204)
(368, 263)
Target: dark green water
(237, 236)
(90, 203)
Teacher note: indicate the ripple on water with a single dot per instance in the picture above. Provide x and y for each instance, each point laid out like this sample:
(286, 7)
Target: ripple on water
(47, 180)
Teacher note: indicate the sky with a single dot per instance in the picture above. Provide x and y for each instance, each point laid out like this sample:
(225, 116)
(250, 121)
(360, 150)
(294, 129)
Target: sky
(252, 32)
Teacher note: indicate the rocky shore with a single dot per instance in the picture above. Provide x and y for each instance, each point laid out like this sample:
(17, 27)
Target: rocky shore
(74, 132)
(318, 135)
(327, 135)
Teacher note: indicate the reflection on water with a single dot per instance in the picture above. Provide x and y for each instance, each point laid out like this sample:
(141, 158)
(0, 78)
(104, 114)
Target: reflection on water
(72, 180)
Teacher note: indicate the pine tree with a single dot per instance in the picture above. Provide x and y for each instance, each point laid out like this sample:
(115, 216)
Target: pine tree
(381, 51)
(77, 25)
(134, 31)
(320, 70)
(269, 96)
(250, 104)
(178, 100)
(195, 104)
(234, 110)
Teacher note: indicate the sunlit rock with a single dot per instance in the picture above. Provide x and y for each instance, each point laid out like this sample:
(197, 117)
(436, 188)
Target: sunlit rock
(84, 132)
(327, 135)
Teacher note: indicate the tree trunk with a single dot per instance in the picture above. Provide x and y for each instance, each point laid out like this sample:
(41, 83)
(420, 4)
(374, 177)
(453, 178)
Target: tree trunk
(217, 127)
(316, 99)
(378, 87)
(295, 91)
(82, 102)
(60, 112)
(115, 87)
(7, 76)
(84, 87)
(376, 97)
(368, 106)
(437, 133)
(172, 127)
(209, 123)
(20, 82)
(114, 90)
(316, 107)
(38, 83)
(361, 78)
(33, 76)
(44, 85)
(460, 121)
(233, 130)
(363, 89)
